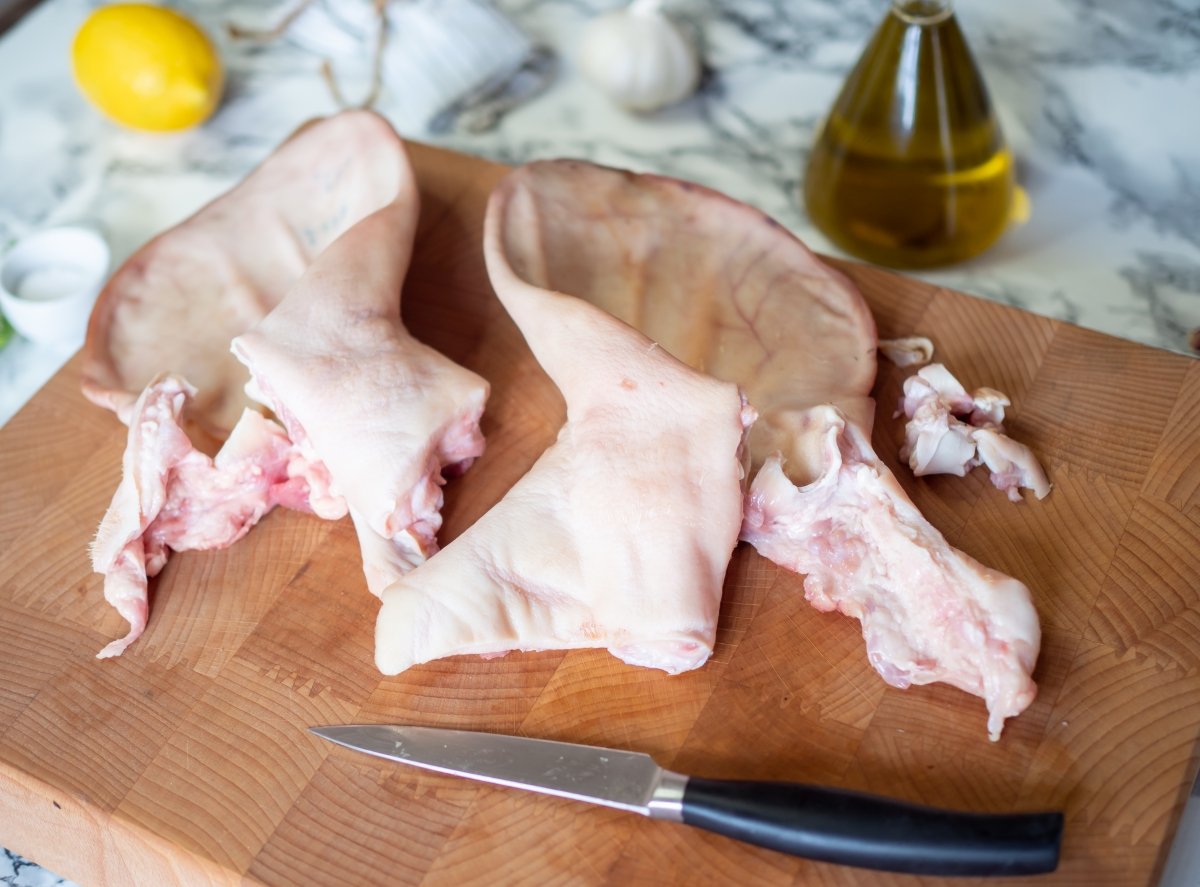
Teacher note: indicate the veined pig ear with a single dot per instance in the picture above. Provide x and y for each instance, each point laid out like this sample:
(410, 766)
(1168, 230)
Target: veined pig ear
(715, 282)
(620, 534)
(376, 414)
(178, 301)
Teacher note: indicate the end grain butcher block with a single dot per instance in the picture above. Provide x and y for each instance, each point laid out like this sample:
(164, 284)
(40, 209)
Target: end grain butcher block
(187, 759)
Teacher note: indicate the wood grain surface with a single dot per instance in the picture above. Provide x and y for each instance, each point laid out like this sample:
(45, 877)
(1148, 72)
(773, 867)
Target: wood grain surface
(187, 759)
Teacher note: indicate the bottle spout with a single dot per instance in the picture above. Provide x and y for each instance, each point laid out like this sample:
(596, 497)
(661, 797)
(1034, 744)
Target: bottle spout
(923, 12)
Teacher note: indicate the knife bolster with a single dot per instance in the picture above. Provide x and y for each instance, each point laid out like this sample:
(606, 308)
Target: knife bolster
(666, 798)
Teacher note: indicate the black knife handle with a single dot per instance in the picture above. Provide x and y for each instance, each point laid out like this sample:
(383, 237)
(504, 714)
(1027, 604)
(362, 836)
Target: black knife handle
(850, 828)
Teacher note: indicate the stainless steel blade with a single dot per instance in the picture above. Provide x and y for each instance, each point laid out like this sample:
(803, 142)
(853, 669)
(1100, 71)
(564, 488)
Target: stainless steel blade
(625, 780)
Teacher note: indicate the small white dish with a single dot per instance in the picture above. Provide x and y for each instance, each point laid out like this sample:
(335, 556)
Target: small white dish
(49, 280)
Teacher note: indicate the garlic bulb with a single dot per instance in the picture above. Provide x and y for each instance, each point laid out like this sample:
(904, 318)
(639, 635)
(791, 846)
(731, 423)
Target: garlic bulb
(639, 58)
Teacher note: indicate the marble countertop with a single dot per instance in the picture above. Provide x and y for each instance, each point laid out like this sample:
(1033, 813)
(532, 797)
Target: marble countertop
(1100, 100)
(1093, 96)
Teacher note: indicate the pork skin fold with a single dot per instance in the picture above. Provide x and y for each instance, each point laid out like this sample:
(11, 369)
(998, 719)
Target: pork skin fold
(373, 417)
(174, 497)
(178, 301)
(728, 291)
(377, 414)
(619, 535)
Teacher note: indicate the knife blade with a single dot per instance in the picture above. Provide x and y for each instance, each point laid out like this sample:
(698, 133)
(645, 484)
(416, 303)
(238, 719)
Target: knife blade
(815, 822)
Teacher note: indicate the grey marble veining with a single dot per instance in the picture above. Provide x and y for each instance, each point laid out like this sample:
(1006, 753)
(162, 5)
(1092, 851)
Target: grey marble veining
(1100, 100)
(16, 871)
(1093, 96)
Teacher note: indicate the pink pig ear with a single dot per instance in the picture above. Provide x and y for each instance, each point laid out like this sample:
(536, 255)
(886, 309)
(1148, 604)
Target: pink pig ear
(713, 281)
(620, 534)
(376, 413)
(178, 301)
(727, 290)
(371, 414)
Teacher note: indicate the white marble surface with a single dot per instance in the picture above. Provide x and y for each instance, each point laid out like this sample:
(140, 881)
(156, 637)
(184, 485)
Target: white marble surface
(16, 871)
(1099, 98)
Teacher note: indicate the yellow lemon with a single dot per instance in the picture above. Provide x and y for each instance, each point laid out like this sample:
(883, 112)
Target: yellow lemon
(147, 67)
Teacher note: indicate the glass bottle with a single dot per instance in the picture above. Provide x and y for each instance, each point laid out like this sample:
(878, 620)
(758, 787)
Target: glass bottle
(910, 168)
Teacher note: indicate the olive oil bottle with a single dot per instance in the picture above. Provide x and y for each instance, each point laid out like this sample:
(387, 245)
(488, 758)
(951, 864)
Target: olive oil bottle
(910, 168)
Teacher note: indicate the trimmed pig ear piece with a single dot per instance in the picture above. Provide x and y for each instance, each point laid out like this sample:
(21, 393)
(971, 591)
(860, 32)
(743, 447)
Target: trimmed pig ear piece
(876, 558)
(910, 351)
(173, 497)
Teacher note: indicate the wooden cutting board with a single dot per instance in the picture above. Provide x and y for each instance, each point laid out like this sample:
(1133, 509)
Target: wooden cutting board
(187, 758)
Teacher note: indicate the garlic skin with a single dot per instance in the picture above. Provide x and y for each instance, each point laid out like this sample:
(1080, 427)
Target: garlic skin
(639, 58)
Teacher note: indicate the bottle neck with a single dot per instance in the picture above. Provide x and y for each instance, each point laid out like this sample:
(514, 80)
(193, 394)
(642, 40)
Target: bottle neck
(923, 12)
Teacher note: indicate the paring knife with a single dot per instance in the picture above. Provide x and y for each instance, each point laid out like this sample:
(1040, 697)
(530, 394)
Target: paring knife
(828, 824)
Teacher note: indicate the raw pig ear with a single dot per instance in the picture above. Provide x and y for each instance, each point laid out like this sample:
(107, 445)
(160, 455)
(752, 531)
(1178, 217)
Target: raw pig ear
(730, 292)
(710, 280)
(376, 414)
(618, 537)
(620, 534)
(372, 414)
(177, 302)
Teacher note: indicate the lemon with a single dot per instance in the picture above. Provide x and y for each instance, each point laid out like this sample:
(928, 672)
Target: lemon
(147, 67)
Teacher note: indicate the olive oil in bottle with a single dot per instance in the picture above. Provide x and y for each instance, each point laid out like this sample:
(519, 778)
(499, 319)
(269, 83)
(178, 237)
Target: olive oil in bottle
(910, 168)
